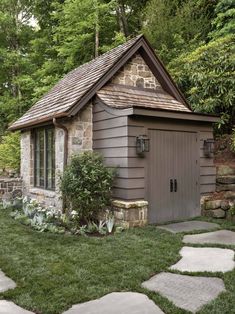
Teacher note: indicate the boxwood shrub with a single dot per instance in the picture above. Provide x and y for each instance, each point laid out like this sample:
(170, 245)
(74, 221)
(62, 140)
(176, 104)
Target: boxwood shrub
(86, 185)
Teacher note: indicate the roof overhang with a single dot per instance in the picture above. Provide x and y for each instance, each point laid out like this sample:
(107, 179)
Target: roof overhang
(158, 113)
(193, 116)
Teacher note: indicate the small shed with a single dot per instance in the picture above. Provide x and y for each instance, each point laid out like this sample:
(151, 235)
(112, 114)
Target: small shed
(125, 105)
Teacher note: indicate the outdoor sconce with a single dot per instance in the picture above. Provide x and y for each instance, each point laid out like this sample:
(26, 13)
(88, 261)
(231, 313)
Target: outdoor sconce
(208, 147)
(142, 144)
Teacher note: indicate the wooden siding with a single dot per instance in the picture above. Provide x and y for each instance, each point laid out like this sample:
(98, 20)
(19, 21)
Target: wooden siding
(111, 139)
(115, 137)
(140, 125)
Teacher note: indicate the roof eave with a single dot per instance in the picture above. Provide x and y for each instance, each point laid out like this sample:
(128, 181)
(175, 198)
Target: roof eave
(36, 123)
(172, 114)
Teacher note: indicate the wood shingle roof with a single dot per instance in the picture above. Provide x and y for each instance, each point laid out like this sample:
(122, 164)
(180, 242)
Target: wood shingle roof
(72, 92)
(69, 90)
(122, 97)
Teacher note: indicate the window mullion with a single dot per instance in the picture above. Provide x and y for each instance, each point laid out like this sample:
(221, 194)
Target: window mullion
(45, 158)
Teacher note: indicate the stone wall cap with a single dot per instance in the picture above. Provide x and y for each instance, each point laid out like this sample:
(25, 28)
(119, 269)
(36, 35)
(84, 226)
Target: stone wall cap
(5, 180)
(129, 204)
(47, 193)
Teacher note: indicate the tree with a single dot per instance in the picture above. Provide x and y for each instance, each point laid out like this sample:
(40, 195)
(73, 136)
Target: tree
(10, 151)
(15, 67)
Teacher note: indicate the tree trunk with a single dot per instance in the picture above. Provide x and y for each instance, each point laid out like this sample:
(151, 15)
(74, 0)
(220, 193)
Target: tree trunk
(97, 29)
(122, 18)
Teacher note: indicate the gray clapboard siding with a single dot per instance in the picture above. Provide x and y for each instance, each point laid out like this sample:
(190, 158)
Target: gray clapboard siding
(129, 194)
(111, 139)
(110, 133)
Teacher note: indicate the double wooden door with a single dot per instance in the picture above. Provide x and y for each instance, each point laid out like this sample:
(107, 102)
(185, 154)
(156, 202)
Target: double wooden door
(173, 176)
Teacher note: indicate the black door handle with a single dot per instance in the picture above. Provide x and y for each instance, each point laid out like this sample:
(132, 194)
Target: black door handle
(171, 185)
(175, 184)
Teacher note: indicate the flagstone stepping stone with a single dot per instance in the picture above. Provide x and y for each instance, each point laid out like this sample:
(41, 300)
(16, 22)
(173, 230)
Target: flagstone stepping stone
(117, 303)
(189, 226)
(205, 259)
(6, 283)
(187, 292)
(226, 237)
(7, 307)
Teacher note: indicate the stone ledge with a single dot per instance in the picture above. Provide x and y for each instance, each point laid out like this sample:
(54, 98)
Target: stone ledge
(41, 192)
(129, 204)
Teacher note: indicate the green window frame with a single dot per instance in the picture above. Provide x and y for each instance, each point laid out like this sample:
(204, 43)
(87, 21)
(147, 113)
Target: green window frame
(44, 158)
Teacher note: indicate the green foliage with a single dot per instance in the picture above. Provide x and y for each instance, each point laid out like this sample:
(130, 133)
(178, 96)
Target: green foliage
(206, 75)
(86, 185)
(224, 22)
(10, 151)
(176, 26)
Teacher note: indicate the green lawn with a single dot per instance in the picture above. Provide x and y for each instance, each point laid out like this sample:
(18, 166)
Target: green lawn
(53, 272)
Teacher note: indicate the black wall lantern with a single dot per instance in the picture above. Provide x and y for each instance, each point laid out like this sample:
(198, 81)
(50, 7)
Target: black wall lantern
(142, 144)
(208, 148)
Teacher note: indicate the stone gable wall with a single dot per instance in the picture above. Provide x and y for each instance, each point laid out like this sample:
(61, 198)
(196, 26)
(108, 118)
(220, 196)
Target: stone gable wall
(136, 73)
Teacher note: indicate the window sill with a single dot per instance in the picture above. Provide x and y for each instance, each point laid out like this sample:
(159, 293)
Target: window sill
(38, 191)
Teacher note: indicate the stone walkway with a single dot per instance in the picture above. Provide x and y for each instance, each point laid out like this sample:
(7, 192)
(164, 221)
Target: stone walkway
(189, 226)
(7, 307)
(187, 292)
(6, 283)
(224, 237)
(117, 303)
(193, 292)
(205, 260)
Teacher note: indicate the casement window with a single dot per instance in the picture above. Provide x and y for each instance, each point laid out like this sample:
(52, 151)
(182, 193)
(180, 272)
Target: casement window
(44, 158)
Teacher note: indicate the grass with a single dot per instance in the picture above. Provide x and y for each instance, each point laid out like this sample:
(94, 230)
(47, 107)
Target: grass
(53, 272)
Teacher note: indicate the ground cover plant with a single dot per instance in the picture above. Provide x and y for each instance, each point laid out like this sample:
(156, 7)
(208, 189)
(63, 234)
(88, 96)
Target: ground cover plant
(54, 271)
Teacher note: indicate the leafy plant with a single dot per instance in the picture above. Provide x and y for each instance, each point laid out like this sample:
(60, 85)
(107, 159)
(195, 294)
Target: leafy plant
(109, 221)
(10, 151)
(86, 186)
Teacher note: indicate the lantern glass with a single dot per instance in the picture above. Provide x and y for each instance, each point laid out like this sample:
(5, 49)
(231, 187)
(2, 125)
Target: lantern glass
(142, 144)
(208, 147)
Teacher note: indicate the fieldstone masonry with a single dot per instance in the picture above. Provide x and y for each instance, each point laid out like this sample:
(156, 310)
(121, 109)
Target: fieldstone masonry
(79, 140)
(131, 214)
(10, 185)
(224, 206)
(136, 73)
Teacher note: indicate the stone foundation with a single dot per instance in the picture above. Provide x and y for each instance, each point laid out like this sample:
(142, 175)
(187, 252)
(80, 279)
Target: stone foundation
(131, 214)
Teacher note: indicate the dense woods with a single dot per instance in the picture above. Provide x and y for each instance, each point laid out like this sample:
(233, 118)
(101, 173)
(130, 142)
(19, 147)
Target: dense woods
(40, 41)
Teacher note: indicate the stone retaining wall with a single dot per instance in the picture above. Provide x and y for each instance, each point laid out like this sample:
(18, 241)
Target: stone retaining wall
(222, 203)
(9, 185)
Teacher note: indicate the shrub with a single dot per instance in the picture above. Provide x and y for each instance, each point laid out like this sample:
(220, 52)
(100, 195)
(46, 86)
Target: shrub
(10, 151)
(86, 185)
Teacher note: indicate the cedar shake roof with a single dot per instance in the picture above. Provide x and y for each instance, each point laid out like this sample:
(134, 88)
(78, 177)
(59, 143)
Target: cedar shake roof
(72, 92)
(122, 97)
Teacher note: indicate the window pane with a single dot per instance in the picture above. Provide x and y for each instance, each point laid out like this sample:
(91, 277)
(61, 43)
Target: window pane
(50, 146)
(39, 158)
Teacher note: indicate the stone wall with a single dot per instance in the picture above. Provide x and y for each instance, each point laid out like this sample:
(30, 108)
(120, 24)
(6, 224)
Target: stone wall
(221, 204)
(80, 132)
(136, 73)
(10, 185)
(79, 140)
(131, 214)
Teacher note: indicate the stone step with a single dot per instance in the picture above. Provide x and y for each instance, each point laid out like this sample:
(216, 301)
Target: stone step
(226, 179)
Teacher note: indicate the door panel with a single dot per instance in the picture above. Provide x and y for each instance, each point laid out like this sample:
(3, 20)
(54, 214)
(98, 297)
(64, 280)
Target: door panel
(160, 169)
(172, 156)
(185, 172)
